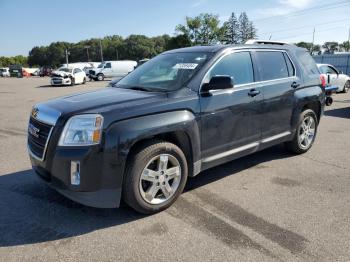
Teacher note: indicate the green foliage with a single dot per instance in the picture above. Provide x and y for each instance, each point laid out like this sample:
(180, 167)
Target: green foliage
(309, 46)
(203, 29)
(19, 59)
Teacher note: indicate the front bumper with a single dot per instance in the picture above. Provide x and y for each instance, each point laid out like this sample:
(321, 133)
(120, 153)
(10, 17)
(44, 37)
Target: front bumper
(100, 181)
(57, 81)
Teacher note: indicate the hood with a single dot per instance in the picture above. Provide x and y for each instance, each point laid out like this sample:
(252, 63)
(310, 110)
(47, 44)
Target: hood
(105, 100)
(60, 73)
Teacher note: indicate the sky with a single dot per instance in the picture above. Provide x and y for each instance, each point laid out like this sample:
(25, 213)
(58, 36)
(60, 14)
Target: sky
(25, 24)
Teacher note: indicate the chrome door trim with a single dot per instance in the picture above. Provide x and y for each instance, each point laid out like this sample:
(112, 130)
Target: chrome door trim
(230, 152)
(245, 147)
(275, 137)
(231, 51)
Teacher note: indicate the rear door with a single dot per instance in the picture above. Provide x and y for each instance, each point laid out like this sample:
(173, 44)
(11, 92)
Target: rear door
(278, 80)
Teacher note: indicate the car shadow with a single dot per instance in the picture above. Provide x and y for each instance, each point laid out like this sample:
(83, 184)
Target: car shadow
(48, 86)
(339, 112)
(32, 212)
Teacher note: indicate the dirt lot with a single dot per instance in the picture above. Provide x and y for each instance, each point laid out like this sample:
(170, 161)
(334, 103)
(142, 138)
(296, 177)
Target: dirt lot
(270, 206)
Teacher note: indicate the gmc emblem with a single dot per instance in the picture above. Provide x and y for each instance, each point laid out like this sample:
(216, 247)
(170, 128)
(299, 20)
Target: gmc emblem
(33, 130)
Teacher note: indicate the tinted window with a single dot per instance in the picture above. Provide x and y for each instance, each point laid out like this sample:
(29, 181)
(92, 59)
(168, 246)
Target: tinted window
(272, 65)
(291, 69)
(238, 65)
(108, 65)
(307, 63)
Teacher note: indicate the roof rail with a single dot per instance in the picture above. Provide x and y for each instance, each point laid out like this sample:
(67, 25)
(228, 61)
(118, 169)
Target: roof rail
(264, 42)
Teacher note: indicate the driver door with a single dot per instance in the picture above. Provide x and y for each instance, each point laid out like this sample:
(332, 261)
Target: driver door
(231, 118)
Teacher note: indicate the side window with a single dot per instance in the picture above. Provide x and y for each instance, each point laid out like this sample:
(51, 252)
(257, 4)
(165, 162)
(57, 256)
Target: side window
(238, 65)
(108, 65)
(272, 65)
(291, 69)
(323, 69)
(76, 70)
(331, 70)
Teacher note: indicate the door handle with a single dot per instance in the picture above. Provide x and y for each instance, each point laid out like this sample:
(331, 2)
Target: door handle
(253, 92)
(295, 85)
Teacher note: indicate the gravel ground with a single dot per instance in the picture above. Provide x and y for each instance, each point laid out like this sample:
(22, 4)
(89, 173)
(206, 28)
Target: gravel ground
(270, 206)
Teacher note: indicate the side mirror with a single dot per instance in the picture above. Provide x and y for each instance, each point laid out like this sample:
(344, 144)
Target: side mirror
(217, 83)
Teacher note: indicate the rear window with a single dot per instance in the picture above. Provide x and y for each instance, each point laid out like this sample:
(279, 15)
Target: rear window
(307, 63)
(272, 65)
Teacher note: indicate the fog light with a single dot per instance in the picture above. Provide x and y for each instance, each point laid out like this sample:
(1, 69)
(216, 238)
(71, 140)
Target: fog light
(75, 173)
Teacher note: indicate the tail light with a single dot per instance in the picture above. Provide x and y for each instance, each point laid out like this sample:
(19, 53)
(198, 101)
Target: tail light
(323, 81)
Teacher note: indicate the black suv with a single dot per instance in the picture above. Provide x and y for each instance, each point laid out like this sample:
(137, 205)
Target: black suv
(180, 113)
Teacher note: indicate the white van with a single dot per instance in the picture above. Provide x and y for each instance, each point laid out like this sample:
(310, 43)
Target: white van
(112, 69)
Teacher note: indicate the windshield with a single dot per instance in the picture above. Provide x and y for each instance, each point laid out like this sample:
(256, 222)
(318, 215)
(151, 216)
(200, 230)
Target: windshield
(165, 72)
(101, 65)
(65, 69)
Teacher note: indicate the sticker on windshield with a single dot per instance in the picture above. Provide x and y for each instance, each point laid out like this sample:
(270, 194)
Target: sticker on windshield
(185, 66)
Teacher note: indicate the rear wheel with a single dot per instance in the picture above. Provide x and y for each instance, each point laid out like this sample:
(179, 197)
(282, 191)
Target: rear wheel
(305, 134)
(346, 87)
(100, 77)
(155, 177)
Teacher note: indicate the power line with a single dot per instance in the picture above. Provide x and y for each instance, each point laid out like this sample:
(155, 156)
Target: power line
(302, 12)
(302, 27)
(310, 33)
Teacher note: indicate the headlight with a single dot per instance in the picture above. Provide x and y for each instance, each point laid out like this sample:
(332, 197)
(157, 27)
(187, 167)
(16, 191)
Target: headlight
(82, 130)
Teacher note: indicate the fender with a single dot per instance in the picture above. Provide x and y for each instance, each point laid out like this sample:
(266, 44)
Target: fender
(122, 135)
(303, 97)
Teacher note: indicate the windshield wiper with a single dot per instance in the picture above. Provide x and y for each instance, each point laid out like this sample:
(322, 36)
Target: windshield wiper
(140, 88)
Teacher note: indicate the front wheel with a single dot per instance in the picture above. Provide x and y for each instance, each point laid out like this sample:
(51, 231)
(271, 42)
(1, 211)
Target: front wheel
(84, 81)
(72, 81)
(305, 134)
(155, 177)
(346, 87)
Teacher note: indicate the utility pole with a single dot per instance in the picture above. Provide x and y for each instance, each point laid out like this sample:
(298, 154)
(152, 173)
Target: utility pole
(67, 53)
(87, 52)
(101, 52)
(117, 53)
(313, 41)
(348, 49)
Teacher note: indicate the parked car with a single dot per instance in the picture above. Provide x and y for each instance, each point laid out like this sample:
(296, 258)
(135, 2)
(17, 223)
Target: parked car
(16, 71)
(334, 77)
(182, 112)
(45, 71)
(4, 72)
(112, 69)
(68, 76)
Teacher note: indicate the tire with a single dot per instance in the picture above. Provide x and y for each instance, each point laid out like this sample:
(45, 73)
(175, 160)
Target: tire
(84, 81)
(100, 77)
(299, 145)
(138, 182)
(72, 81)
(346, 87)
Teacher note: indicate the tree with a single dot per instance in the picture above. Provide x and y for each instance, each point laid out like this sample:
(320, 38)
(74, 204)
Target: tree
(345, 46)
(178, 41)
(203, 29)
(330, 47)
(251, 31)
(230, 30)
(190, 29)
(244, 25)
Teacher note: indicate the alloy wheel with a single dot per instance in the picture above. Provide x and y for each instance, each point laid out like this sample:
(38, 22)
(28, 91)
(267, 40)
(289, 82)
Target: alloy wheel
(307, 132)
(160, 179)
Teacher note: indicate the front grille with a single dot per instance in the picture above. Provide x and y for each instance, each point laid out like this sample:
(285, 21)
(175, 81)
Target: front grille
(91, 72)
(38, 137)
